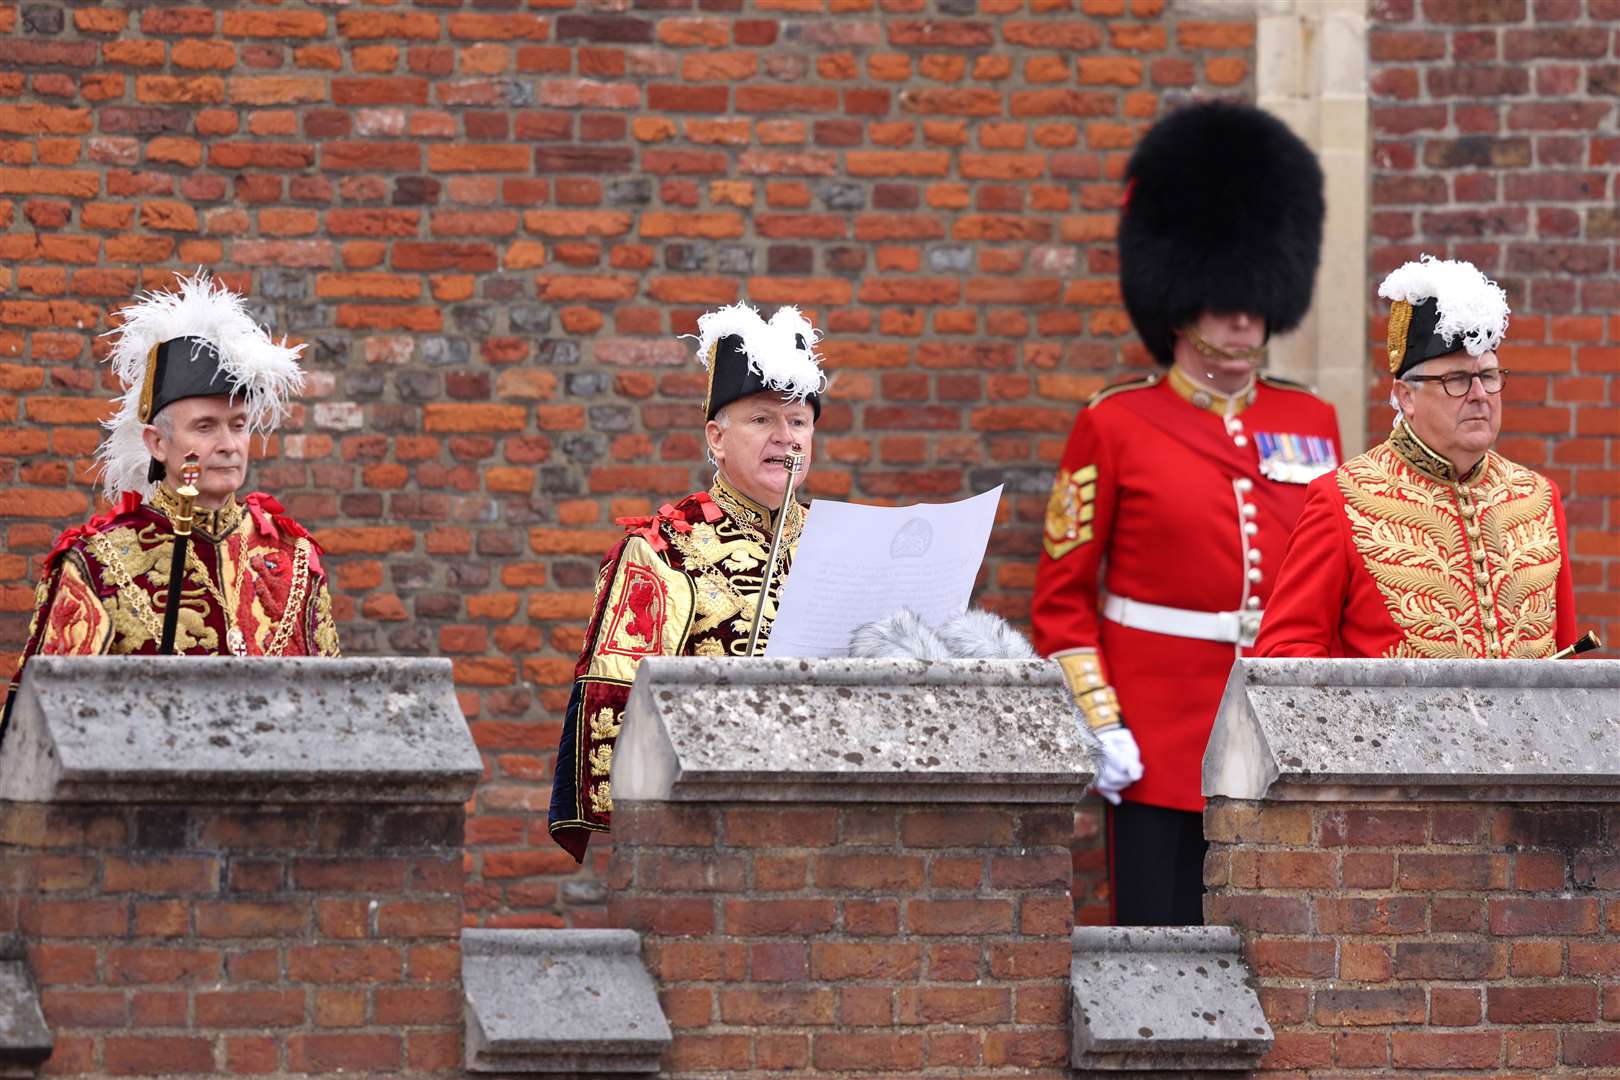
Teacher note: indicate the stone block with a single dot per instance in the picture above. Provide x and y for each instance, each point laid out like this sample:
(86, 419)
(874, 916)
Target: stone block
(1164, 999)
(1484, 730)
(560, 1001)
(224, 729)
(850, 730)
(25, 1041)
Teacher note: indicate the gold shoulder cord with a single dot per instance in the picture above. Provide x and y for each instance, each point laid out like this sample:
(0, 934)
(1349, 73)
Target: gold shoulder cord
(295, 599)
(140, 605)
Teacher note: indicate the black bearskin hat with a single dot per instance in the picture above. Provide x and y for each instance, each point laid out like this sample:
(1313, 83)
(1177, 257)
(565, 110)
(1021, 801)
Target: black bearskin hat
(1223, 212)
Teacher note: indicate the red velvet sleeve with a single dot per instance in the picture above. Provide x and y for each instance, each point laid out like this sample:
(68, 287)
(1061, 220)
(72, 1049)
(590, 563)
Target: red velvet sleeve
(1307, 604)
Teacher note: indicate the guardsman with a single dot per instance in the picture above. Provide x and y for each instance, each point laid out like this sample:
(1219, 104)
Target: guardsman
(200, 378)
(690, 579)
(1431, 544)
(1177, 491)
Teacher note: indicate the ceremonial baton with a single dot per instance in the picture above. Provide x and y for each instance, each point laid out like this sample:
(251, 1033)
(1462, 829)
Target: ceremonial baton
(187, 494)
(1585, 643)
(795, 462)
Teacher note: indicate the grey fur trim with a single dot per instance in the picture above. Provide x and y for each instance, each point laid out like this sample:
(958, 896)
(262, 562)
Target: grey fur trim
(901, 636)
(977, 634)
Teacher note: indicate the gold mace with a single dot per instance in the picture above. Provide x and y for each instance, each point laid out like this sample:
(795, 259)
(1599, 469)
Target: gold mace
(795, 462)
(186, 496)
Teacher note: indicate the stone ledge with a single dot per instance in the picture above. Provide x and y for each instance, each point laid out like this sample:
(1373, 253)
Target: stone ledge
(224, 729)
(1483, 730)
(1163, 1000)
(25, 1041)
(560, 1001)
(846, 730)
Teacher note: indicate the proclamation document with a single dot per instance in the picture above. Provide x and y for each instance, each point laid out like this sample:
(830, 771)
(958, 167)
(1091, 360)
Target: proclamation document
(857, 564)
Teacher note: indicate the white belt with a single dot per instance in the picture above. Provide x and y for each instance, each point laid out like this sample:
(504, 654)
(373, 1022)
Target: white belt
(1238, 627)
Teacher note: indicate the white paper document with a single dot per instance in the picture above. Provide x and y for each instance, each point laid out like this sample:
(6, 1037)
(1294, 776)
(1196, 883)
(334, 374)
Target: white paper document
(857, 564)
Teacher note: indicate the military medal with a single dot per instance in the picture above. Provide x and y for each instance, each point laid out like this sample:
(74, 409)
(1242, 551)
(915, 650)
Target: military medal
(1294, 459)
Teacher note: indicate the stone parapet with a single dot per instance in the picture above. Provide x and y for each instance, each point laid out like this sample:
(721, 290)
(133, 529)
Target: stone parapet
(850, 730)
(1444, 901)
(851, 868)
(183, 729)
(292, 911)
(1522, 730)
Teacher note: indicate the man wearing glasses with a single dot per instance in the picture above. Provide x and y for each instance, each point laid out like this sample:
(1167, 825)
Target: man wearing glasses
(1430, 544)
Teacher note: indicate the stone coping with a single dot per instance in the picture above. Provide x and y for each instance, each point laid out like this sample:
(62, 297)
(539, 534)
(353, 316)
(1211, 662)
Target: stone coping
(844, 730)
(1163, 999)
(229, 729)
(549, 1001)
(1482, 730)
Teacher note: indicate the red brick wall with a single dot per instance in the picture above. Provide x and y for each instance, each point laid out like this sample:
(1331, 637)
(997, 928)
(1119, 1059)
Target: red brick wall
(852, 939)
(1430, 937)
(208, 940)
(491, 221)
(1494, 140)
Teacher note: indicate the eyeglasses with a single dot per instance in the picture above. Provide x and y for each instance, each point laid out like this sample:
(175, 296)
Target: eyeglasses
(1458, 383)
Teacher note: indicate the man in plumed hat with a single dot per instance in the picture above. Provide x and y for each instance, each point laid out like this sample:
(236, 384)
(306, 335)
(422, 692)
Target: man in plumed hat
(200, 378)
(1177, 491)
(1431, 544)
(689, 579)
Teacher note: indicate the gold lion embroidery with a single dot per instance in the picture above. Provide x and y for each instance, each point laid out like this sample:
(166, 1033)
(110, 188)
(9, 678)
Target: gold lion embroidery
(1070, 510)
(1452, 589)
(605, 727)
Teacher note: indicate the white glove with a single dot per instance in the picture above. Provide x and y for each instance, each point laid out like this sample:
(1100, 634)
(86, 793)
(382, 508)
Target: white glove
(1121, 764)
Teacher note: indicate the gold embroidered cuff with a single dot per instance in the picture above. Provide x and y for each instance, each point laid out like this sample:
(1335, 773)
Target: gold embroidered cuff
(1092, 694)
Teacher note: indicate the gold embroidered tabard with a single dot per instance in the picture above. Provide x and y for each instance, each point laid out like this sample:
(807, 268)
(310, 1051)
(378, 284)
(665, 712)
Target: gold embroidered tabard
(1467, 566)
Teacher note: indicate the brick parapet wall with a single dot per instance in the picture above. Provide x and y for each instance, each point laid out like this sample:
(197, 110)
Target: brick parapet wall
(829, 940)
(1496, 138)
(209, 940)
(1429, 937)
(489, 221)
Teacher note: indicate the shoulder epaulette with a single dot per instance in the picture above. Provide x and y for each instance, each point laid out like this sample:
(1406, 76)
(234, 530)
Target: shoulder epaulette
(1286, 384)
(1107, 392)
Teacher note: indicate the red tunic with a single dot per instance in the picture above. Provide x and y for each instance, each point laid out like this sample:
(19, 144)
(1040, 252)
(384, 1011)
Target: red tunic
(1396, 557)
(254, 586)
(1163, 501)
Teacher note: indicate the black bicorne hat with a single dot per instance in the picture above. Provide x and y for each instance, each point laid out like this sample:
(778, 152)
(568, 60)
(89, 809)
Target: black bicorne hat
(1438, 307)
(1223, 213)
(747, 355)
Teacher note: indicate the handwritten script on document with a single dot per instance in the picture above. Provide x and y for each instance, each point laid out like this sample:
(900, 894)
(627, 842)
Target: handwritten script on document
(857, 564)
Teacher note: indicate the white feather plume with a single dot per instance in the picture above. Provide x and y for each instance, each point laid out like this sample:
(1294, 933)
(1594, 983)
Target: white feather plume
(772, 347)
(262, 371)
(1470, 305)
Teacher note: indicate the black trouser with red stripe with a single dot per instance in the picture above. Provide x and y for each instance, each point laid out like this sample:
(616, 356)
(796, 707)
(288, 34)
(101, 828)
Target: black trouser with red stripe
(1156, 865)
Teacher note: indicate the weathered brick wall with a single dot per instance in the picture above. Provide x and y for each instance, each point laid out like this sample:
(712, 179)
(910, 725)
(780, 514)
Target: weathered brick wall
(490, 223)
(1495, 139)
(1431, 937)
(201, 940)
(827, 940)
